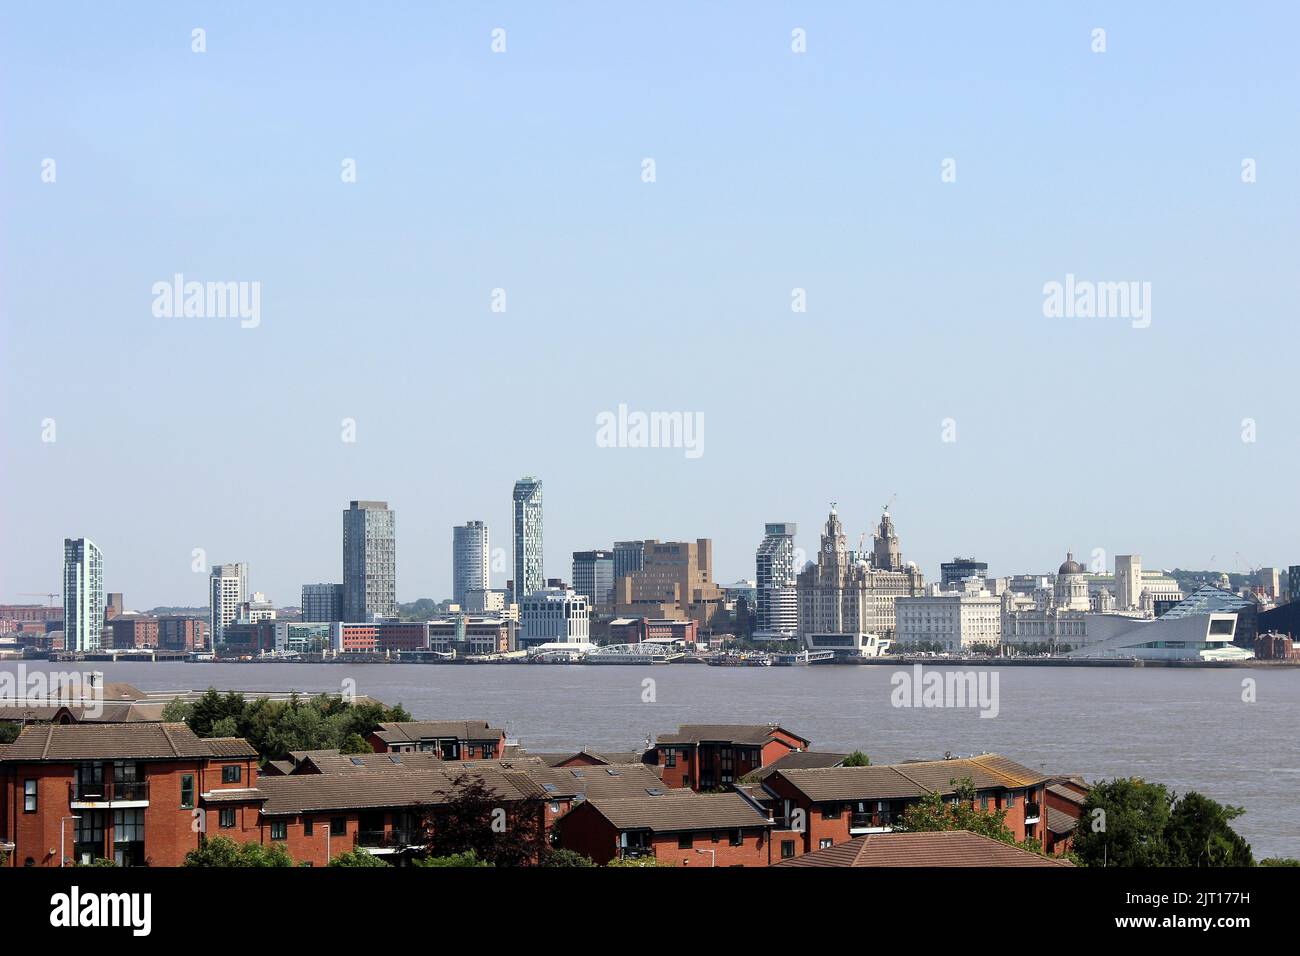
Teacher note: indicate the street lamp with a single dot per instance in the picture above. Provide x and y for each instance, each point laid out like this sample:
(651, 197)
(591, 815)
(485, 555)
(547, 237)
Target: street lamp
(713, 856)
(62, 855)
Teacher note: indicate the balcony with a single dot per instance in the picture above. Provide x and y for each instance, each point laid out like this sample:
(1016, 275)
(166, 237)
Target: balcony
(131, 793)
(861, 822)
(635, 852)
(1033, 812)
(386, 841)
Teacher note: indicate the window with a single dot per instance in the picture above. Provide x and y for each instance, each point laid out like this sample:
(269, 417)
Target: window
(128, 837)
(1011, 798)
(187, 791)
(227, 818)
(831, 811)
(231, 773)
(737, 837)
(825, 844)
(338, 826)
(670, 758)
(984, 802)
(685, 841)
(29, 796)
(306, 826)
(787, 849)
(279, 830)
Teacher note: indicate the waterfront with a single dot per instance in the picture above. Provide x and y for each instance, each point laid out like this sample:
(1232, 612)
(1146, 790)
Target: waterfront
(1188, 729)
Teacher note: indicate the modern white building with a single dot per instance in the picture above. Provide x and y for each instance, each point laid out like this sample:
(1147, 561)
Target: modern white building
(369, 561)
(227, 591)
(776, 590)
(554, 615)
(470, 560)
(529, 576)
(1203, 637)
(964, 620)
(83, 595)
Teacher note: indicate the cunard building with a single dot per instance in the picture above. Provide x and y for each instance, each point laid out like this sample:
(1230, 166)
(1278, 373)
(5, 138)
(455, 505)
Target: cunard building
(846, 600)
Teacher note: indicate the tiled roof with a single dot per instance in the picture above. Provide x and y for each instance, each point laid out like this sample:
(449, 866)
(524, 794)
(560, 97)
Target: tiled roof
(555, 759)
(679, 809)
(411, 788)
(230, 747)
(899, 781)
(1060, 822)
(334, 762)
(941, 848)
(413, 731)
(1066, 793)
(141, 741)
(798, 760)
(610, 781)
(749, 734)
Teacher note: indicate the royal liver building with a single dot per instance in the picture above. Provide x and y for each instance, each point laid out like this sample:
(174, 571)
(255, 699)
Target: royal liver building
(851, 594)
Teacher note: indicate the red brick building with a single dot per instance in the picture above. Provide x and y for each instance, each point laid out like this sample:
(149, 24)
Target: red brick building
(177, 633)
(131, 631)
(836, 804)
(712, 756)
(1063, 801)
(678, 827)
(127, 792)
(941, 848)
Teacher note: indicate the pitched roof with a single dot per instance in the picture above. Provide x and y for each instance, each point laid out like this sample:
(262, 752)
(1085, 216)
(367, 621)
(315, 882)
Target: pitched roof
(797, 760)
(610, 781)
(1060, 822)
(679, 809)
(601, 757)
(299, 793)
(752, 734)
(331, 761)
(413, 731)
(230, 747)
(940, 848)
(904, 780)
(140, 741)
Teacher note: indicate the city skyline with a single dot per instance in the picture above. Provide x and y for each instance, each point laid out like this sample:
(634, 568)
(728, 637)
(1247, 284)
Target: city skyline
(921, 175)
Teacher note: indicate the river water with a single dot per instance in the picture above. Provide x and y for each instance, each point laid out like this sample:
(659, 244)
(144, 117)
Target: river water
(1187, 728)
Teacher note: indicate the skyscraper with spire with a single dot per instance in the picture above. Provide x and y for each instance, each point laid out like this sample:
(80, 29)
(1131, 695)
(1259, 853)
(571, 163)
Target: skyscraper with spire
(528, 539)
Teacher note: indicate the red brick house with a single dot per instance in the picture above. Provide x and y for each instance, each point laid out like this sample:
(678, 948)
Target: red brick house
(680, 827)
(1063, 805)
(840, 803)
(714, 756)
(450, 739)
(127, 792)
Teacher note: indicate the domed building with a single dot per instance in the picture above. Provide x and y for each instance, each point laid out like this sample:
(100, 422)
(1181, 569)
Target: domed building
(1071, 590)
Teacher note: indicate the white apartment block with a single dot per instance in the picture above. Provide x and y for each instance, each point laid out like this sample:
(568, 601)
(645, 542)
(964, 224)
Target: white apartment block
(227, 591)
(554, 615)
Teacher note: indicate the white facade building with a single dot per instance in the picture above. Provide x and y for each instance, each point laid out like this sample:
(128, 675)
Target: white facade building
(957, 620)
(470, 560)
(227, 591)
(554, 615)
(83, 595)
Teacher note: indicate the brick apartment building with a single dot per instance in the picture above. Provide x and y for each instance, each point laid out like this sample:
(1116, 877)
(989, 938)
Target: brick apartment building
(451, 739)
(840, 803)
(712, 756)
(679, 827)
(133, 631)
(178, 633)
(1063, 801)
(126, 792)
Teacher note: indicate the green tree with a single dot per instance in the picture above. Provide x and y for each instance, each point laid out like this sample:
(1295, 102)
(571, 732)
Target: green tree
(9, 731)
(857, 759)
(1268, 861)
(1199, 834)
(468, 858)
(358, 857)
(473, 819)
(225, 852)
(1130, 828)
(639, 861)
(355, 744)
(566, 858)
(933, 813)
(177, 711)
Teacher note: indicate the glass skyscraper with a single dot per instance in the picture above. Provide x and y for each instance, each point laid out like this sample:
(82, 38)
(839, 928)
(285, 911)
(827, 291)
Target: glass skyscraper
(528, 539)
(469, 560)
(83, 595)
(369, 562)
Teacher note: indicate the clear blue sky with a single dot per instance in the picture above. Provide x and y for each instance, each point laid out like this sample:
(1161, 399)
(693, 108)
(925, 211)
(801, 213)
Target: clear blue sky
(522, 170)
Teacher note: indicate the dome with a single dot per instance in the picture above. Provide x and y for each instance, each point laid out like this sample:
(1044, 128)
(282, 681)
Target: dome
(1070, 566)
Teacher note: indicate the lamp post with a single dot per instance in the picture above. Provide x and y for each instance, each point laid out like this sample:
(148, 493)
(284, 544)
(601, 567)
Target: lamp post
(62, 855)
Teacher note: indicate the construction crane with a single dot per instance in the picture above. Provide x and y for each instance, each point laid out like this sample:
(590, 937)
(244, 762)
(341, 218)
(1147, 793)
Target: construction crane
(892, 499)
(50, 595)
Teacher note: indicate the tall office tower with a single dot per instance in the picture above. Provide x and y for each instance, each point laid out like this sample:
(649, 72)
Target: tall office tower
(675, 581)
(1293, 582)
(593, 576)
(528, 538)
(469, 560)
(952, 573)
(629, 557)
(83, 595)
(777, 595)
(1128, 581)
(322, 602)
(227, 590)
(369, 561)
(1269, 580)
